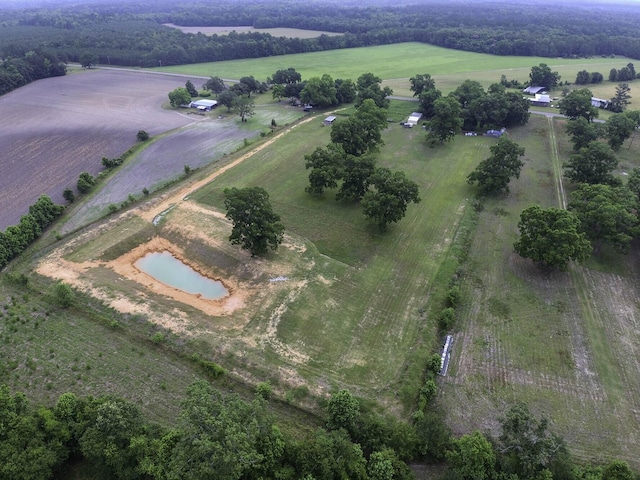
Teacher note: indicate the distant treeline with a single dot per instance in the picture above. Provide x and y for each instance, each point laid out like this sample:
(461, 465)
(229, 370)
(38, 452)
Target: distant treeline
(32, 65)
(132, 34)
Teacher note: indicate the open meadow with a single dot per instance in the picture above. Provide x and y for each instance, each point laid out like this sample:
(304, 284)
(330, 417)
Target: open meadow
(396, 64)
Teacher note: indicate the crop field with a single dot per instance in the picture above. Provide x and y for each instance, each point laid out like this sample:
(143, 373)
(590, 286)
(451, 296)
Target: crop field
(396, 63)
(275, 32)
(54, 129)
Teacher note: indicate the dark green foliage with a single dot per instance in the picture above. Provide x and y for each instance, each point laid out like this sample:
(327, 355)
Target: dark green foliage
(68, 195)
(368, 87)
(362, 132)
(434, 436)
(621, 99)
(343, 411)
(592, 164)
(619, 127)
(525, 445)
(494, 173)
(388, 200)
(191, 89)
(327, 168)
(542, 76)
(578, 104)
(288, 75)
(581, 132)
(215, 85)
(357, 171)
(244, 107)
(255, 226)
(63, 294)
(551, 237)
(19, 69)
(617, 470)
(606, 214)
(446, 318)
(472, 458)
(111, 163)
(227, 98)
(179, 96)
(320, 91)
(16, 238)
(85, 182)
(142, 136)
(212, 369)
(447, 120)
(345, 91)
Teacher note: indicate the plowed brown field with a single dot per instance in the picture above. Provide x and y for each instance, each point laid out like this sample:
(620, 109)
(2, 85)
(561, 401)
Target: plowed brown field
(54, 129)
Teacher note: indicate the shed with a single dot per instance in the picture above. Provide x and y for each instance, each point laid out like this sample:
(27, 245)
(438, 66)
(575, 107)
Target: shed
(532, 90)
(600, 102)
(204, 104)
(329, 120)
(413, 119)
(495, 133)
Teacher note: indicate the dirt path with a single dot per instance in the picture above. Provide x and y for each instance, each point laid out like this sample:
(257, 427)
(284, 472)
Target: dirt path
(182, 193)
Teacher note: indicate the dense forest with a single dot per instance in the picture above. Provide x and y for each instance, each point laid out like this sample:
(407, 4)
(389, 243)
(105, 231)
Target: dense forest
(121, 33)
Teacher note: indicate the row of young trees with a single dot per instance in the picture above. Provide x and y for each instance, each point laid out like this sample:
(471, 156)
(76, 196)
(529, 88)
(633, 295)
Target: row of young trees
(16, 238)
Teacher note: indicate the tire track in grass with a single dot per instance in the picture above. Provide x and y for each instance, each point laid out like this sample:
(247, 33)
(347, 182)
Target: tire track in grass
(557, 165)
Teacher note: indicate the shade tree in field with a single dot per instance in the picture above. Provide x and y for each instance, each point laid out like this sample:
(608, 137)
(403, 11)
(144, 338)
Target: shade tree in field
(386, 202)
(288, 75)
(424, 87)
(215, 85)
(551, 237)
(179, 96)
(592, 164)
(578, 104)
(621, 99)
(244, 107)
(88, 60)
(327, 168)
(227, 98)
(320, 91)
(361, 133)
(606, 214)
(346, 90)
(369, 87)
(526, 446)
(618, 128)
(356, 177)
(581, 132)
(255, 225)
(493, 174)
(251, 85)
(542, 76)
(446, 121)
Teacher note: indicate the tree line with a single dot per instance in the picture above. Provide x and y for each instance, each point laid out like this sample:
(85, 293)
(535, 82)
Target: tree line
(16, 238)
(134, 35)
(223, 436)
(32, 65)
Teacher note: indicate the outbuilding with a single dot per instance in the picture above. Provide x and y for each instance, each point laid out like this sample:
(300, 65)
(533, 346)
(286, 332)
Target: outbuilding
(204, 104)
(329, 120)
(600, 102)
(540, 100)
(413, 120)
(532, 90)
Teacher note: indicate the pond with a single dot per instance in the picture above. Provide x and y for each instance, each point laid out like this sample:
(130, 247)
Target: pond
(166, 268)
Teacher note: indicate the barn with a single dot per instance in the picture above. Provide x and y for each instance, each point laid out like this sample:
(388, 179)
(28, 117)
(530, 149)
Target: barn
(204, 104)
(532, 90)
(600, 102)
(540, 100)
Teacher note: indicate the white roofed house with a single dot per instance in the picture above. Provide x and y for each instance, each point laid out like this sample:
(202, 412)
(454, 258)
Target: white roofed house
(540, 100)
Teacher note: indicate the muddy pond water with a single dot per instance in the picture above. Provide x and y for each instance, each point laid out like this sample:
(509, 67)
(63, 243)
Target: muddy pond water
(166, 268)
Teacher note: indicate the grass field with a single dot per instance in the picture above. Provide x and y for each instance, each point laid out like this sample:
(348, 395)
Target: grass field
(395, 64)
(275, 32)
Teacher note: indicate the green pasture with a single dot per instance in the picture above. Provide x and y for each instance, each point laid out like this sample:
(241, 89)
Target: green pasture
(551, 339)
(396, 63)
(359, 327)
